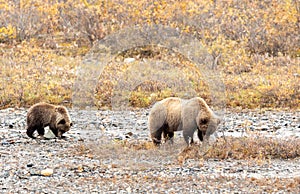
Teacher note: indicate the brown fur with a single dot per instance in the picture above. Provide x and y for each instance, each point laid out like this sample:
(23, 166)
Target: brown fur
(175, 114)
(42, 115)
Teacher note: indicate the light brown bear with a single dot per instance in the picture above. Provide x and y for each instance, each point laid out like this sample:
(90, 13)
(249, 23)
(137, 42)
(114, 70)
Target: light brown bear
(175, 114)
(42, 115)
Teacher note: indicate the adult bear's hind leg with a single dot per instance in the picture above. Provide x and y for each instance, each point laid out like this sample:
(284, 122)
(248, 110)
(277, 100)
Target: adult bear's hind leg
(157, 125)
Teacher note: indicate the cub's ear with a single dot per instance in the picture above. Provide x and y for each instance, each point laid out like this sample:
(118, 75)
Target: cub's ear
(60, 109)
(62, 122)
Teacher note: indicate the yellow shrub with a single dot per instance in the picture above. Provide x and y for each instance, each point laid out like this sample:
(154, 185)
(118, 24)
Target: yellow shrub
(7, 33)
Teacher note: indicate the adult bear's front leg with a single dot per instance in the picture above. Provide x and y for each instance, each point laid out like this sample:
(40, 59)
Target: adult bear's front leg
(188, 132)
(201, 134)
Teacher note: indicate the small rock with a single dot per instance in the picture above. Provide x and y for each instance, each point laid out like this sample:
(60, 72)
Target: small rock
(276, 127)
(4, 143)
(119, 138)
(129, 60)
(129, 134)
(49, 134)
(263, 128)
(47, 172)
(102, 128)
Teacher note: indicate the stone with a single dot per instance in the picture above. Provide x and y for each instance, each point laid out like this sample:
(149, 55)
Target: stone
(47, 172)
(49, 134)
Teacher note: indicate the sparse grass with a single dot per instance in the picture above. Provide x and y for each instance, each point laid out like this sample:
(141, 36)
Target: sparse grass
(142, 156)
(132, 155)
(256, 148)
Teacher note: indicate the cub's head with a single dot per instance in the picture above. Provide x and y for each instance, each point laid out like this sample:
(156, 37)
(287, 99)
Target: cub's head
(63, 123)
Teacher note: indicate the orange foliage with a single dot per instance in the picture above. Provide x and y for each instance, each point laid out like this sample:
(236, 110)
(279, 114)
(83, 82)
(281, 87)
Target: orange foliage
(257, 44)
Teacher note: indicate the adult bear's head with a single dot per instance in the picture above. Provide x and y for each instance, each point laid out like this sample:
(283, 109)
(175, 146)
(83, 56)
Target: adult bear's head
(207, 120)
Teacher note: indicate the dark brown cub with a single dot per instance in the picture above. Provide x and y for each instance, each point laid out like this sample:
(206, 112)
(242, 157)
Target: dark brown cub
(42, 115)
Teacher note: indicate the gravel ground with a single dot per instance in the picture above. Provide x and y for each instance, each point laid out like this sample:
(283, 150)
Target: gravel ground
(91, 159)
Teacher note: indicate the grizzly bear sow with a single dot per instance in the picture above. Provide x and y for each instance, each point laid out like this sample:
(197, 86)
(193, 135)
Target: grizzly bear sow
(42, 115)
(175, 114)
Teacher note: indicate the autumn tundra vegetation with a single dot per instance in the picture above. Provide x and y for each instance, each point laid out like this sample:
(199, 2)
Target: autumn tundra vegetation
(255, 44)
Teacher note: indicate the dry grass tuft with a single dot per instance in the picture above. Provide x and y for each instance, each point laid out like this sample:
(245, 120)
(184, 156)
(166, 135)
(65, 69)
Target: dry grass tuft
(144, 153)
(252, 147)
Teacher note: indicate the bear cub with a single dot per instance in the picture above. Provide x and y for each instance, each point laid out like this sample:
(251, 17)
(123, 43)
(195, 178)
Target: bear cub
(42, 115)
(176, 114)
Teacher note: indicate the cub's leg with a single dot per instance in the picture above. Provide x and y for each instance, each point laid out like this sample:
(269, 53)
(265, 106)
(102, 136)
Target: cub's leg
(29, 131)
(41, 132)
